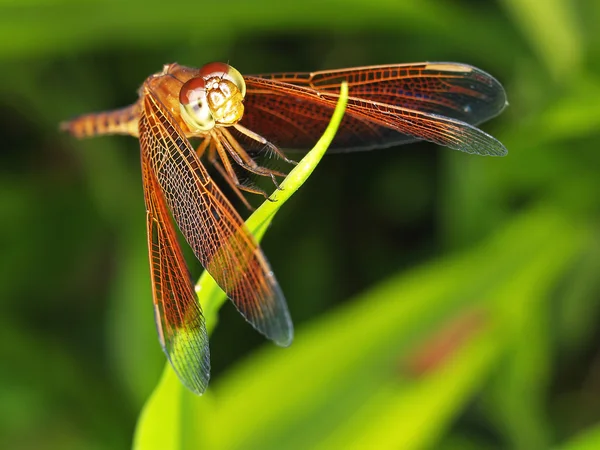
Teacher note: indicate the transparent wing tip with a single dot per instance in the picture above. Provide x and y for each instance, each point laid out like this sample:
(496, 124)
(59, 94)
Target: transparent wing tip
(268, 313)
(274, 322)
(189, 356)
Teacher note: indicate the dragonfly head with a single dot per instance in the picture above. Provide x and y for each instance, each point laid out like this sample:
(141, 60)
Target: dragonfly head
(215, 97)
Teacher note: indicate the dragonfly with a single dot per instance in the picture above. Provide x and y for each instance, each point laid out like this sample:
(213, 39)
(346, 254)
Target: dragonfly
(235, 117)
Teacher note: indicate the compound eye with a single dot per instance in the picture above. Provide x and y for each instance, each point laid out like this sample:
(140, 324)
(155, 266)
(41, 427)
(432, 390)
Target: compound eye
(224, 71)
(194, 105)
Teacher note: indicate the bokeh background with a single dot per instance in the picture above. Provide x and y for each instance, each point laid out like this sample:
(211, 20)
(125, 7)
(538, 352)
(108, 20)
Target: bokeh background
(442, 300)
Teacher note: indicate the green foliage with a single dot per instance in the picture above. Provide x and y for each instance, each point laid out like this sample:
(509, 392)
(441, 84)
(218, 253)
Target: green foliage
(441, 300)
(586, 441)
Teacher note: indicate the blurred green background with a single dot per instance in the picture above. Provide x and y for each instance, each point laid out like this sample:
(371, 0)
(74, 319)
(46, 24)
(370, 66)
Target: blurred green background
(441, 300)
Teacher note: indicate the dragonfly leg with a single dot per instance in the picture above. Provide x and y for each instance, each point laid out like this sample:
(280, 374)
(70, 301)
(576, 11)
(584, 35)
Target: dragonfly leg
(231, 184)
(243, 159)
(226, 170)
(203, 146)
(272, 147)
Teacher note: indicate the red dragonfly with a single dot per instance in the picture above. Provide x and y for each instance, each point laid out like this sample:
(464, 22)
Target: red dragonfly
(235, 116)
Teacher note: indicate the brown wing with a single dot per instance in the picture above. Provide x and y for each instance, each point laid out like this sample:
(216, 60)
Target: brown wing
(178, 316)
(388, 105)
(211, 226)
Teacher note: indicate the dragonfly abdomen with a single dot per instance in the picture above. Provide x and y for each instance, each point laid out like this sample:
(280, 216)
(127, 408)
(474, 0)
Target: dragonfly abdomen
(119, 121)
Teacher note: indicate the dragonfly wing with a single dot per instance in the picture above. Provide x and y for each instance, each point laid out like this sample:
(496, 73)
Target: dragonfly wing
(295, 108)
(179, 319)
(295, 117)
(441, 130)
(457, 91)
(211, 226)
